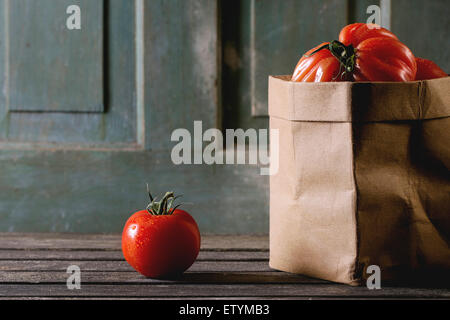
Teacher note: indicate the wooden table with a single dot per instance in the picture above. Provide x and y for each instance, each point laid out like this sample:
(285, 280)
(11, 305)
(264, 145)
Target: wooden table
(33, 266)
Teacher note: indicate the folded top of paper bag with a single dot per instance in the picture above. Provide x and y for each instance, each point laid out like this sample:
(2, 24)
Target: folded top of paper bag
(358, 101)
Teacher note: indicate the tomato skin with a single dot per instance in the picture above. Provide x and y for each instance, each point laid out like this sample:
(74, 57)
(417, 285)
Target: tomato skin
(384, 59)
(356, 33)
(427, 69)
(160, 246)
(322, 66)
(380, 56)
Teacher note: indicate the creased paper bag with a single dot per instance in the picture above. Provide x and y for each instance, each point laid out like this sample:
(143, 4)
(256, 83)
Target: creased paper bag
(363, 179)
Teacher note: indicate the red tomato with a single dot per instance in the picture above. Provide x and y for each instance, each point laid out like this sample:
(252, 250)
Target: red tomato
(320, 66)
(161, 242)
(384, 59)
(365, 52)
(378, 55)
(427, 69)
(356, 33)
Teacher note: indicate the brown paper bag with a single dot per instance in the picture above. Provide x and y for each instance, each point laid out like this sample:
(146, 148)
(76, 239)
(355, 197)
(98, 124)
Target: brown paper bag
(363, 179)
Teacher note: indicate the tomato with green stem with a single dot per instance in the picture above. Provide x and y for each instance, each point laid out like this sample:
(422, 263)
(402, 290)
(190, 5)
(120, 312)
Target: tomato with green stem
(376, 54)
(366, 53)
(321, 66)
(161, 241)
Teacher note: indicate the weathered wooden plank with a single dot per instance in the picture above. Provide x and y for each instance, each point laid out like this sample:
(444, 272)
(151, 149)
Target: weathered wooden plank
(117, 255)
(33, 242)
(44, 236)
(228, 298)
(99, 255)
(241, 242)
(123, 278)
(181, 67)
(211, 290)
(72, 241)
(86, 265)
(139, 298)
(49, 68)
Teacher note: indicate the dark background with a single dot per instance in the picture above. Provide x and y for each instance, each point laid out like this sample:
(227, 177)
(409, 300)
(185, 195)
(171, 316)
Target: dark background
(86, 115)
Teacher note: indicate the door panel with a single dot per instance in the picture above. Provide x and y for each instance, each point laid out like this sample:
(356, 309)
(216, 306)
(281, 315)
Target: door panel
(181, 69)
(52, 68)
(423, 26)
(115, 128)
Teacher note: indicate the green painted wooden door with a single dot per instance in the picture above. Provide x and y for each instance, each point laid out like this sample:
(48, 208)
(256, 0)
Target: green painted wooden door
(86, 115)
